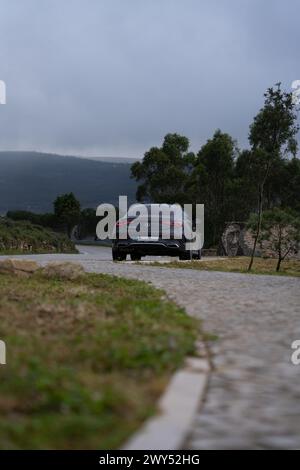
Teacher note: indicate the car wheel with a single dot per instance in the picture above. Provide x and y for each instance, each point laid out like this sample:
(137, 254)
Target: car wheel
(185, 256)
(197, 255)
(117, 256)
(135, 257)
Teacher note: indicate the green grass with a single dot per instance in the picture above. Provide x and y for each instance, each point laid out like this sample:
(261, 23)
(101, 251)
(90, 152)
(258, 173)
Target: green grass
(239, 265)
(86, 359)
(24, 237)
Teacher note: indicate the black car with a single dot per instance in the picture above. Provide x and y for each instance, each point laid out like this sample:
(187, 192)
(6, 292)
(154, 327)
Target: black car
(155, 234)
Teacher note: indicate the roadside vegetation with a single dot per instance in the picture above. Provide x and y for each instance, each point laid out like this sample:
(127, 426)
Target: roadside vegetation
(24, 237)
(86, 359)
(239, 265)
(281, 229)
(66, 217)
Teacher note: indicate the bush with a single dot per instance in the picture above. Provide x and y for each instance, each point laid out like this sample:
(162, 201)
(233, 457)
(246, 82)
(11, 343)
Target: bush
(23, 236)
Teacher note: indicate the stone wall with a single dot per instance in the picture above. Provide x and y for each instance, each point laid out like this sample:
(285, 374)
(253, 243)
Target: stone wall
(236, 240)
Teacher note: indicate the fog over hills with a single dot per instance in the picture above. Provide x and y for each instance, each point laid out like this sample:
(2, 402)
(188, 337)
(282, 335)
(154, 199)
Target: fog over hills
(32, 180)
(114, 159)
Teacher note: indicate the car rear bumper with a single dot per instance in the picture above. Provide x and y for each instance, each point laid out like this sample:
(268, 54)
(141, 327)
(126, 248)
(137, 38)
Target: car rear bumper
(154, 248)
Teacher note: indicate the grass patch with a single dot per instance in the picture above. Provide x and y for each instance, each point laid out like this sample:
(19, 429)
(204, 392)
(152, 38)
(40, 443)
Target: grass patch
(23, 237)
(86, 359)
(240, 265)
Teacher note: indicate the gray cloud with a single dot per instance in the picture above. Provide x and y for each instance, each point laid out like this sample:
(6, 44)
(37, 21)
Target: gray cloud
(112, 77)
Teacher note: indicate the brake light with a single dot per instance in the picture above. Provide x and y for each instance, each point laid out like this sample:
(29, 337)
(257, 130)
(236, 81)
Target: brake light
(122, 223)
(175, 223)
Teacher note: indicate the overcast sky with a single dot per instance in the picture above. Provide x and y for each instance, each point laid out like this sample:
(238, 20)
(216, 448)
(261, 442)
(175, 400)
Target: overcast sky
(112, 77)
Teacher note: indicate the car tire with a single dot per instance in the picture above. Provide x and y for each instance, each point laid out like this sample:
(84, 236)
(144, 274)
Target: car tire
(134, 257)
(186, 256)
(117, 256)
(197, 255)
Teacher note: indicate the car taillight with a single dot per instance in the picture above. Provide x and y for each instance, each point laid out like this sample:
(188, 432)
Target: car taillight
(175, 223)
(122, 223)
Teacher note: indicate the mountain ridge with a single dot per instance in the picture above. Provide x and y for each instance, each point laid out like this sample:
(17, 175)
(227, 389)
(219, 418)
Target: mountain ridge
(31, 180)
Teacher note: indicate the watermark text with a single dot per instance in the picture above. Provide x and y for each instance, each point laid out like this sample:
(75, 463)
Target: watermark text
(296, 92)
(2, 352)
(141, 221)
(295, 358)
(2, 92)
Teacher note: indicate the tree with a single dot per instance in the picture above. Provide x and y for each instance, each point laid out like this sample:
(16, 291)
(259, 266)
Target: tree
(67, 210)
(243, 189)
(164, 172)
(211, 182)
(272, 136)
(46, 220)
(282, 187)
(289, 185)
(87, 223)
(282, 229)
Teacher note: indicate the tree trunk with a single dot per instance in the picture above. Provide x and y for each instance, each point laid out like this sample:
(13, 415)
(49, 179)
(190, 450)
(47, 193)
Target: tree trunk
(278, 263)
(260, 210)
(257, 229)
(280, 258)
(69, 230)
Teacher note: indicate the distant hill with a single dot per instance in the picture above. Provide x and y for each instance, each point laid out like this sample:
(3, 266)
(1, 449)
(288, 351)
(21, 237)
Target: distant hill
(114, 159)
(32, 180)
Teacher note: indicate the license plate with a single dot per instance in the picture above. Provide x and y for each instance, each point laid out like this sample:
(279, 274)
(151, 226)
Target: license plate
(147, 239)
